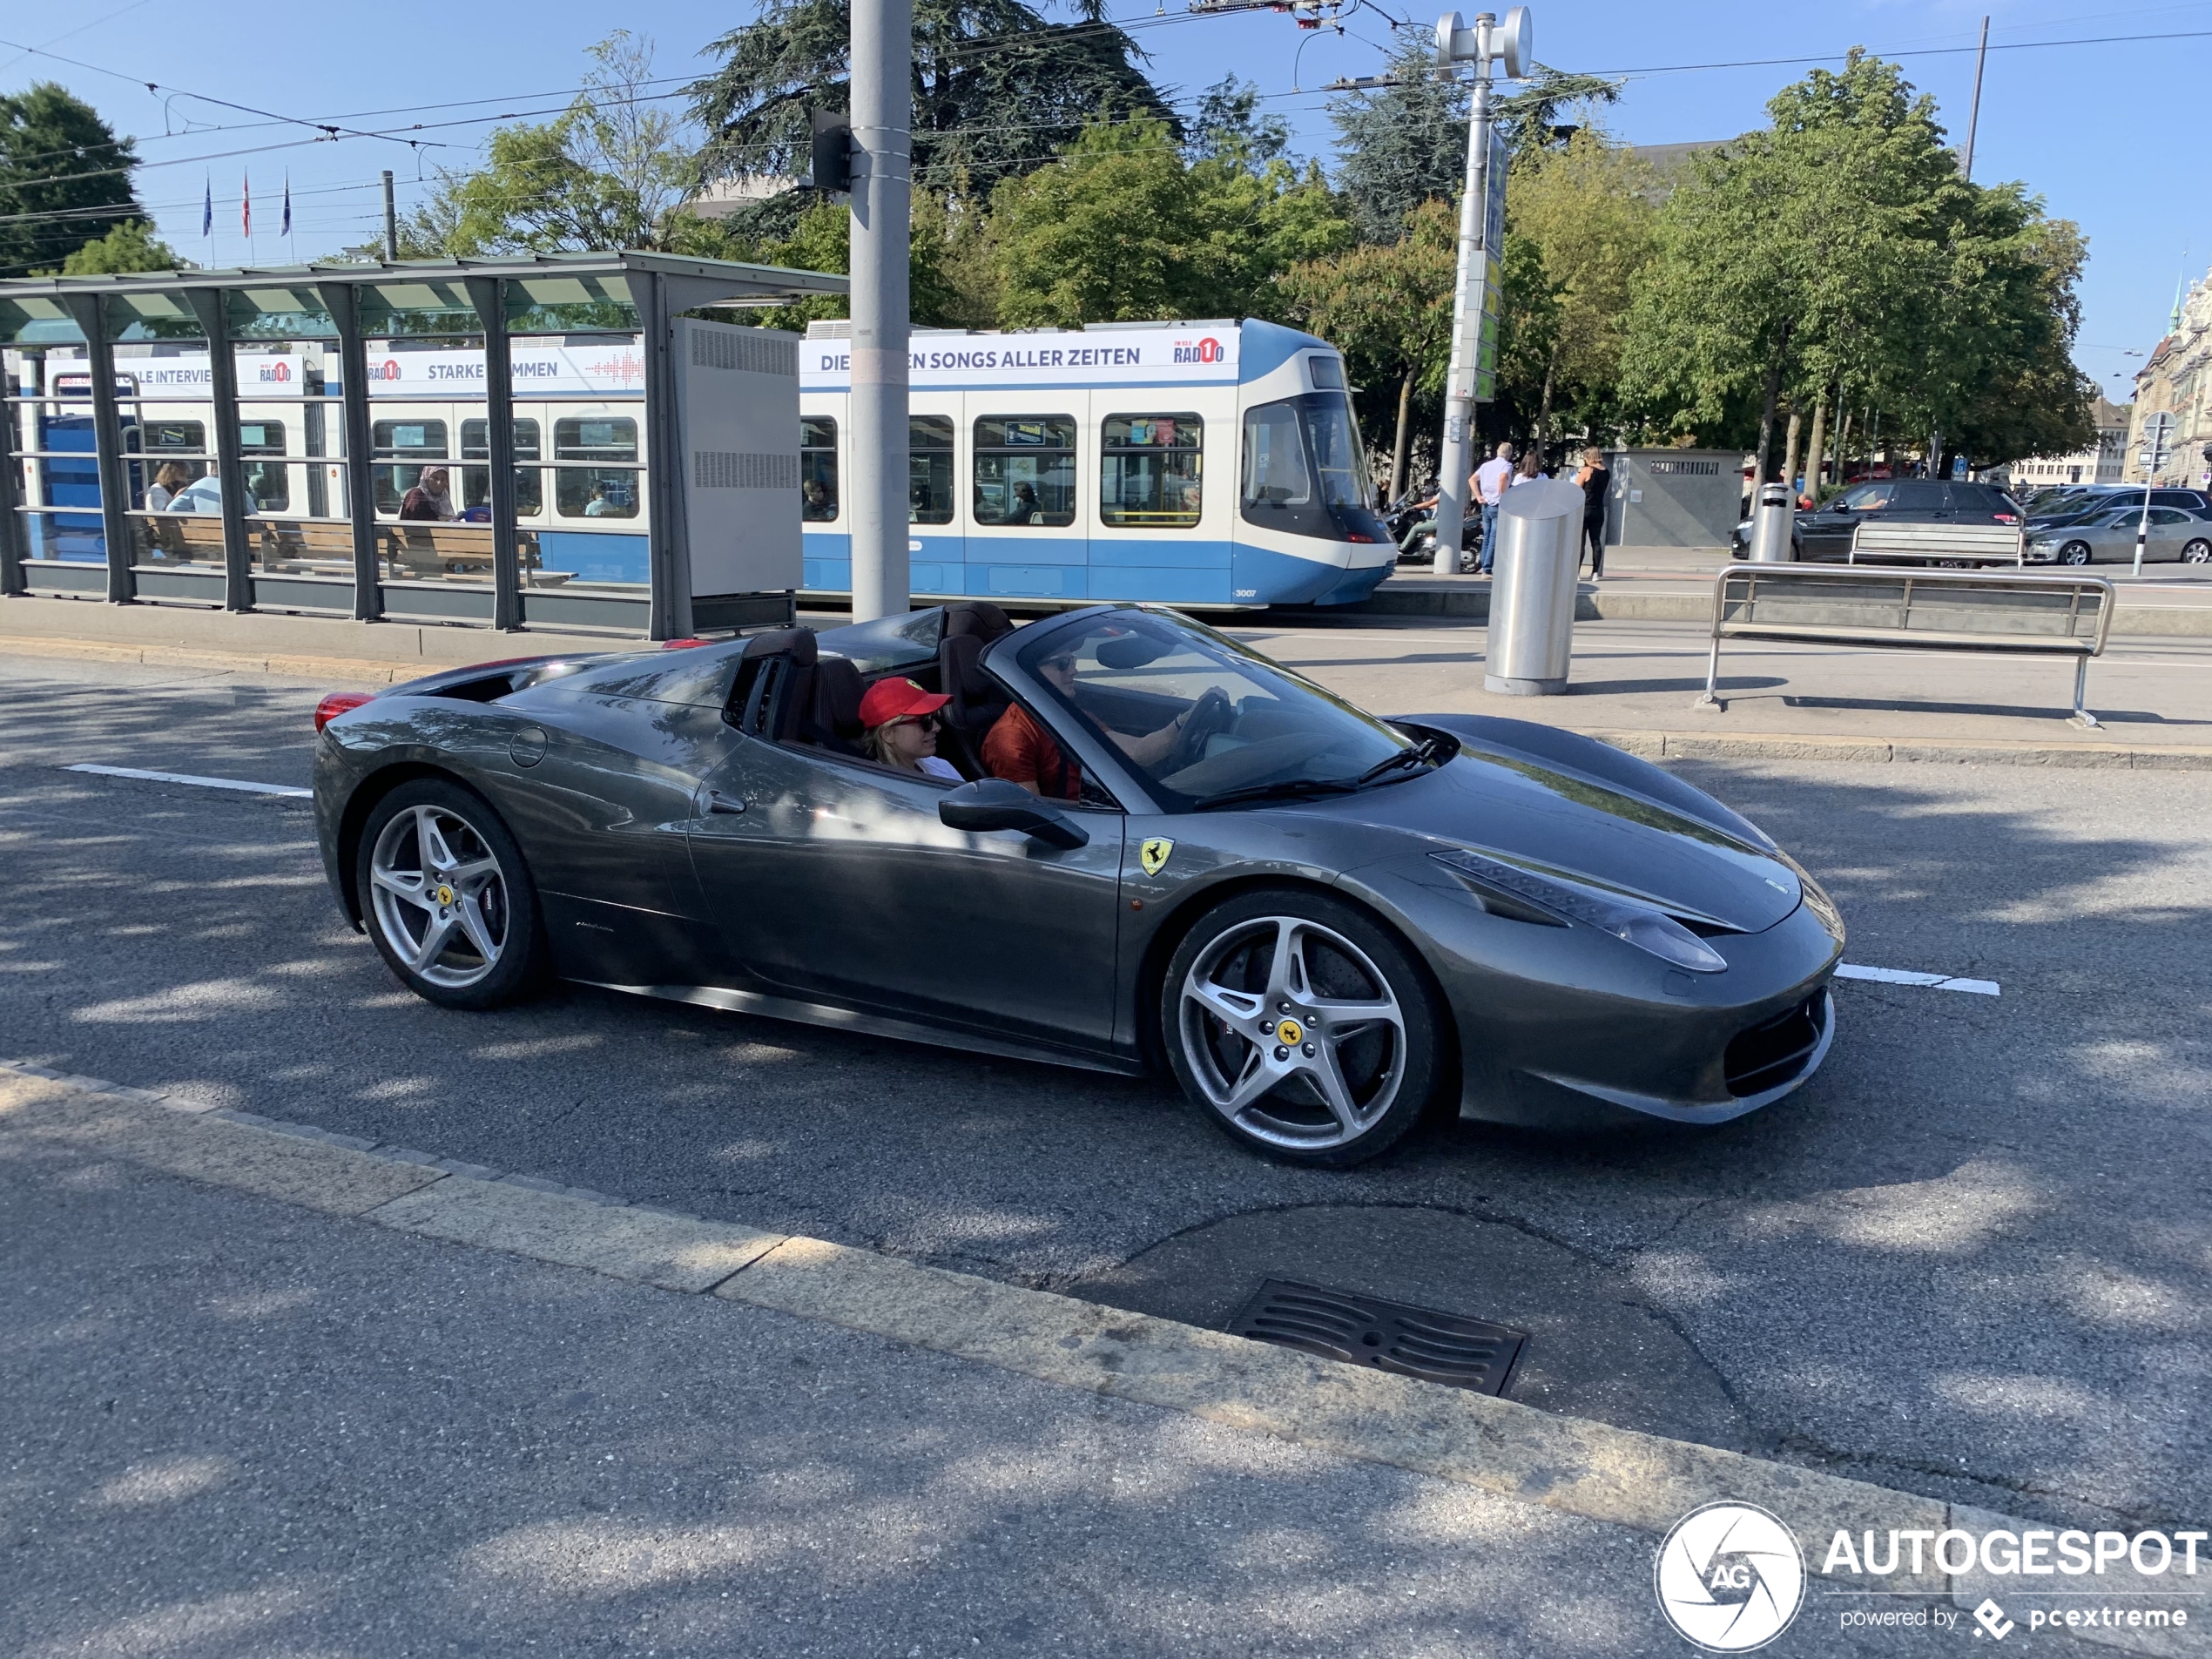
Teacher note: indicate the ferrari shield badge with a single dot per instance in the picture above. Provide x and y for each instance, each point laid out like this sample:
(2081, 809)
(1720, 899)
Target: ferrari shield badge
(1153, 855)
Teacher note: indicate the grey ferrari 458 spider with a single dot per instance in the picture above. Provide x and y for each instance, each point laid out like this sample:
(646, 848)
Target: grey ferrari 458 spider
(1326, 925)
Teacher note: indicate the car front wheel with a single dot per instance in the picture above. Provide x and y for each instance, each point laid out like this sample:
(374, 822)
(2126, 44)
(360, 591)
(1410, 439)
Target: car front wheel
(1302, 1028)
(2074, 553)
(447, 898)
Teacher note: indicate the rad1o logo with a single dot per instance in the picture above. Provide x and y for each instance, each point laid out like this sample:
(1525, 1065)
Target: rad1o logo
(1729, 1578)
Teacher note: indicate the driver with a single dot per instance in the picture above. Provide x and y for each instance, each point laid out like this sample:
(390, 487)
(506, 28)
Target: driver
(1021, 751)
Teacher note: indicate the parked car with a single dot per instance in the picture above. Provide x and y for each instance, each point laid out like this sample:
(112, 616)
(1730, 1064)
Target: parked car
(1825, 532)
(2109, 536)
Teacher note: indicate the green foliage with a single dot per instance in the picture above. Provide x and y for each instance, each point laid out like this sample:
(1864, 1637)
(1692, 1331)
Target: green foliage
(1528, 119)
(1840, 246)
(1402, 144)
(1229, 126)
(131, 246)
(821, 239)
(997, 87)
(601, 176)
(1580, 234)
(64, 178)
(1122, 228)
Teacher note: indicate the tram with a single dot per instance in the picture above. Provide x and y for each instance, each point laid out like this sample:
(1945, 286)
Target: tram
(1046, 468)
(1071, 466)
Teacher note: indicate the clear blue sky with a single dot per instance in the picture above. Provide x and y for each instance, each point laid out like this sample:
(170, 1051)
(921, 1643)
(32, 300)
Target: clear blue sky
(2073, 122)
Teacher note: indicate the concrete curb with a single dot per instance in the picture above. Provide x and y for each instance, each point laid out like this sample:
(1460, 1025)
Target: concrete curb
(1593, 1470)
(1994, 751)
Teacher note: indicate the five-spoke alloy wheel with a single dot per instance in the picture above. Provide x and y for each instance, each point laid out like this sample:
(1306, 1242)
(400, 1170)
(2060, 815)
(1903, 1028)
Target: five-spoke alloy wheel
(2074, 553)
(1295, 1023)
(447, 899)
(2197, 552)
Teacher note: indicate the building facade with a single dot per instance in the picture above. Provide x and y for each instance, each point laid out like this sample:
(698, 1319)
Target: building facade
(2103, 464)
(2176, 380)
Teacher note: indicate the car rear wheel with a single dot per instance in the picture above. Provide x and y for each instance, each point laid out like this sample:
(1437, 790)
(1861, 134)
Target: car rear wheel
(2197, 552)
(1302, 1028)
(2074, 553)
(447, 898)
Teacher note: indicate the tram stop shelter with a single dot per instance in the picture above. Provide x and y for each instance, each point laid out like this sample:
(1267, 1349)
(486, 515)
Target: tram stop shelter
(248, 439)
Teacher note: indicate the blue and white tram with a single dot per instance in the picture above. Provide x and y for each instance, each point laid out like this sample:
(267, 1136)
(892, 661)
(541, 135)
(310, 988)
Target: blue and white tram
(1072, 465)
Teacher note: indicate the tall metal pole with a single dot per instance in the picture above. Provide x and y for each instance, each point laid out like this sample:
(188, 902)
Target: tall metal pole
(1973, 119)
(882, 212)
(1456, 459)
(391, 224)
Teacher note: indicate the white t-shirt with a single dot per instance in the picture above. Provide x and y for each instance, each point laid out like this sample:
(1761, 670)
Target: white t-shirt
(1523, 478)
(937, 766)
(1490, 478)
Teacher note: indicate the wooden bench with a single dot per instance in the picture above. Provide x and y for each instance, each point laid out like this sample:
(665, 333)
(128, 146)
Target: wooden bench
(2049, 615)
(1874, 542)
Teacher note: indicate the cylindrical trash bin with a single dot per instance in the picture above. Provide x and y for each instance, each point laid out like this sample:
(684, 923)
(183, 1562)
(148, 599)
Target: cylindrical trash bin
(1532, 589)
(1772, 525)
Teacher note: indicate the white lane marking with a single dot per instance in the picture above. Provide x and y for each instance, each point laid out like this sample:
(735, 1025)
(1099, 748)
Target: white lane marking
(286, 790)
(1907, 976)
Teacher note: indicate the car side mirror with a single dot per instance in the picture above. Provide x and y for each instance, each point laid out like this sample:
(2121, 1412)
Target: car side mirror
(994, 804)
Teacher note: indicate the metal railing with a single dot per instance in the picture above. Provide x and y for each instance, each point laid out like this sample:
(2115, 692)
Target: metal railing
(1961, 543)
(1957, 611)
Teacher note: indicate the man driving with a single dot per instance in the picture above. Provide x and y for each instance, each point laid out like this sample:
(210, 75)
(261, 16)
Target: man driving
(1021, 751)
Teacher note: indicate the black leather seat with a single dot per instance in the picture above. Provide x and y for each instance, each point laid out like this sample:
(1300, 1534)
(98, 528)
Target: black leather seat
(775, 677)
(831, 716)
(977, 700)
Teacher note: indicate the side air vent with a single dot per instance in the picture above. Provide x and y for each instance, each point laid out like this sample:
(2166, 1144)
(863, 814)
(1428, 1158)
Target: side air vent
(1770, 1054)
(745, 349)
(743, 469)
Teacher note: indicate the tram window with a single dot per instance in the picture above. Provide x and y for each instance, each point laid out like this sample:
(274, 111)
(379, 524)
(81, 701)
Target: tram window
(1149, 472)
(1275, 473)
(595, 492)
(475, 482)
(1025, 469)
(403, 441)
(268, 482)
(818, 470)
(929, 469)
(183, 438)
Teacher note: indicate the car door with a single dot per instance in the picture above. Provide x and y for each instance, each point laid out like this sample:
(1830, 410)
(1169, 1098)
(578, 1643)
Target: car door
(831, 879)
(2169, 528)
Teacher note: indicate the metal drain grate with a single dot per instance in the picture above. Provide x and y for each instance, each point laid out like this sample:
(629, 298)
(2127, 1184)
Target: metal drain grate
(1390, 1335)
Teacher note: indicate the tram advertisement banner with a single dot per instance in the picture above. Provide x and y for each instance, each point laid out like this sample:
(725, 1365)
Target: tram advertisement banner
(1194, 354)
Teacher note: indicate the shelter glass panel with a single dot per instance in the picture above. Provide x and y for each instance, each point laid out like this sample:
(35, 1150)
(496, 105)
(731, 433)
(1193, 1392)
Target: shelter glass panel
(415, 440)
(407, 310)
(599, 491)
(33, 319)
(565, 304)
(475, 482)
(132, 317)
(1025, 469)
(278, 313)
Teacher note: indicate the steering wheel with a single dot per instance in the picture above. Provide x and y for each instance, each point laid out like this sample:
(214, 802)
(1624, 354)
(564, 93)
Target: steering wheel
(1212, 712)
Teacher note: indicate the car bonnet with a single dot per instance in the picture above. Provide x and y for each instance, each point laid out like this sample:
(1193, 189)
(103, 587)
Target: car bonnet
(1570, 825)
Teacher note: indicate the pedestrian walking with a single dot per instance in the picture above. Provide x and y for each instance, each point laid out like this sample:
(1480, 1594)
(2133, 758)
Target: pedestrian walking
(1595, 480)
(1492, 479)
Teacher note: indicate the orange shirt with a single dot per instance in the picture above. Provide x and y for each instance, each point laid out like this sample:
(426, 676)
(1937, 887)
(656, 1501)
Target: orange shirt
(1022, 752)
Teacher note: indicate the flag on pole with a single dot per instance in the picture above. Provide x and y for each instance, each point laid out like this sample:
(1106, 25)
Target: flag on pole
(207, 210)
(245, 206)
(286, 229)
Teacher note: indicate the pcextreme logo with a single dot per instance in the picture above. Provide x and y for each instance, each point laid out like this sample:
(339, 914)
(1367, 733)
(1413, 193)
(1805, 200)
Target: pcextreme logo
(1729, 1578)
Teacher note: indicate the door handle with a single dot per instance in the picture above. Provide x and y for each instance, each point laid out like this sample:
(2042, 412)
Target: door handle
(718, 802)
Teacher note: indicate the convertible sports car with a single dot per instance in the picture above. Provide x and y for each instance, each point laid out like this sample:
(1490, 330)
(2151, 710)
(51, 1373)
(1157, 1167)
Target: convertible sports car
(1325, 925)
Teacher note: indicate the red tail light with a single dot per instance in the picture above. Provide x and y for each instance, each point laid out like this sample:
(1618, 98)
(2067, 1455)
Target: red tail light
(1354, 535)
(339, 703)
(683, 644)
(2007, 518)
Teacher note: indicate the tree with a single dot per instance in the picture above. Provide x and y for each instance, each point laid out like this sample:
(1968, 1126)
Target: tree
(1388, 308)
(1121, 228)
(2034, 401)
(1228, 127)
(1579, 233)
(603, 175)
(1402, 143)
(64, 178)
(1803, 255)
(821, 239)
(131, 246)
(997, 87)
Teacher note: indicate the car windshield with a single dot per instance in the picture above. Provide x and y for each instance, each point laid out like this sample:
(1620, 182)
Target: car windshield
(1250, 730)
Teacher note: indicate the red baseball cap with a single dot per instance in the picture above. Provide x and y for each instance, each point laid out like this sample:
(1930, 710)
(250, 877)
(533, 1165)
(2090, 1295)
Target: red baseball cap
(896, 699)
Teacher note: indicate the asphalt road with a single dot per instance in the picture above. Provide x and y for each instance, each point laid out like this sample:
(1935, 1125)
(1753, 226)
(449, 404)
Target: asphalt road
(1970, 1259)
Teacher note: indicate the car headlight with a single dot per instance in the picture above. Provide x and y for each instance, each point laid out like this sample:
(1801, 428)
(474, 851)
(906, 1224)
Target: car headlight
(1561, 902)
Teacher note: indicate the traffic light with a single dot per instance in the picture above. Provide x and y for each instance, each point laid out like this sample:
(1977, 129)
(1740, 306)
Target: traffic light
(833, 161)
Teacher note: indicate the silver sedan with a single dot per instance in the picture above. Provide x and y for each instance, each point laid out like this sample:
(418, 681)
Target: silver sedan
(2110, 537)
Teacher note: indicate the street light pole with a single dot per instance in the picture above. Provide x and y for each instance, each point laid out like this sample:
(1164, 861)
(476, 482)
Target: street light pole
(1467, 383)
(882, 212)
